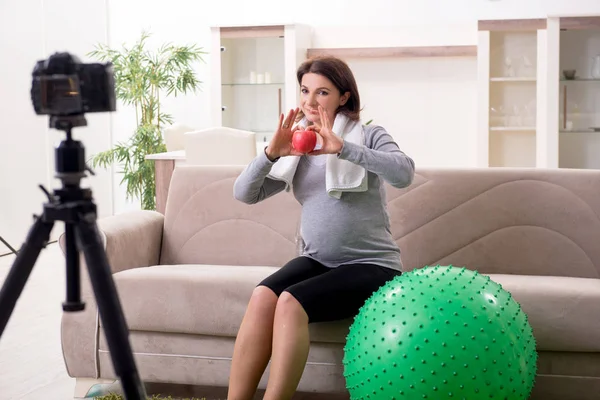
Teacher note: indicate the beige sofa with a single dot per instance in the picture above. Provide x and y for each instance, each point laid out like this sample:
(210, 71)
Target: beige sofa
(184, 279)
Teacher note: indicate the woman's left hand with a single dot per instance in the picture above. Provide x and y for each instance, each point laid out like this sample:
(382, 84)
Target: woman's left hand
(332, 144)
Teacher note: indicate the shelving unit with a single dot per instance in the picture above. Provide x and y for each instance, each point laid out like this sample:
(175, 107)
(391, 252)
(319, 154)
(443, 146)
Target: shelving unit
(508, 59)
(254, 75)
(579, 98)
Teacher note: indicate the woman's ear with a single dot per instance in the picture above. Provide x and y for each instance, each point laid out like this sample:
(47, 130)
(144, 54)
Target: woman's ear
(344, 98)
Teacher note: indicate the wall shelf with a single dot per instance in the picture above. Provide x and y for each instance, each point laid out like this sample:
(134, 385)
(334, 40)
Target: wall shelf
(254, 84)
(581, 80)
(579, 131)
(579, 23)
(387, 52)
(237, 32)
(508, 25)
(513, 128)
(512, 79)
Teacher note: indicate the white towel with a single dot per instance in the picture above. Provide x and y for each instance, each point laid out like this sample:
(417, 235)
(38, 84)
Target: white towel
(341, 175)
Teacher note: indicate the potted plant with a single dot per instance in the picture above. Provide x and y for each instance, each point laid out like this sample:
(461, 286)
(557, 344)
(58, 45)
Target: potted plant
(142, 78)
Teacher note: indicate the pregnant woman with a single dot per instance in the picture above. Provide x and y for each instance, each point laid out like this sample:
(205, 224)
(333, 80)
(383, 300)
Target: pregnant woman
(348, 249)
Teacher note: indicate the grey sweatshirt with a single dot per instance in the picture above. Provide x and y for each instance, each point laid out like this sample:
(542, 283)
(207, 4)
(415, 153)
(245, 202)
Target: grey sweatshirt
(354, 228)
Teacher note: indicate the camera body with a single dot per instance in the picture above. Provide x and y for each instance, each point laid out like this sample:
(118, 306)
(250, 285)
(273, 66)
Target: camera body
(65, 89)
(63, 86)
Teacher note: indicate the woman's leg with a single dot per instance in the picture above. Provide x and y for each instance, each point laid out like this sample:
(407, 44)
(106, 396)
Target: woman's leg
(339, 294)
(254, 340)
(290, 348)
(253, 345)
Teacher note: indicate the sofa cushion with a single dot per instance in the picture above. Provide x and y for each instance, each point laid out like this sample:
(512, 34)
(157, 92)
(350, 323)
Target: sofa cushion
(211, 300)
(564, 312)
(199, 299)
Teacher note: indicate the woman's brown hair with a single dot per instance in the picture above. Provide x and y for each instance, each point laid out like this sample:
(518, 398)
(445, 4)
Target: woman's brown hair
(338, 72)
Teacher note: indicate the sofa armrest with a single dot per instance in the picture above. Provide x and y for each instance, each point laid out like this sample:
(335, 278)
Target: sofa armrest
(131, 240)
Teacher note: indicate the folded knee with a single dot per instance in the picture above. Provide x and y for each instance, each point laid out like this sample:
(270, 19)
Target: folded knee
(288, 303)
(264, 297)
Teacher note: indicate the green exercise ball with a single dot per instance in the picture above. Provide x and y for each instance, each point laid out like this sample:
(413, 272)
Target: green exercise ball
(440, 332)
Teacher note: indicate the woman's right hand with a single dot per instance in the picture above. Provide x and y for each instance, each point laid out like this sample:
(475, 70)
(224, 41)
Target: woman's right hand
(281, 143)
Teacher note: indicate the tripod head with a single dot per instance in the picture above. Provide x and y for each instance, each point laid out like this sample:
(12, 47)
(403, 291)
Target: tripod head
(67, 203)
(70, 166)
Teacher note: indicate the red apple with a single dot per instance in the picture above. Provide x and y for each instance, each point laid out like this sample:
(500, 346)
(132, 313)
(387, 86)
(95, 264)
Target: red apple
(304, 141)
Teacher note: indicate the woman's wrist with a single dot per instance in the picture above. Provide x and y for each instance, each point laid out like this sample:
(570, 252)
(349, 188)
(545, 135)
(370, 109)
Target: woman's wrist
(270, 155)
(340, 146)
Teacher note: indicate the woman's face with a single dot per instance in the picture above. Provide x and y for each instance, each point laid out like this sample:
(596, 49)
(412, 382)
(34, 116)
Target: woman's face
(317, 90)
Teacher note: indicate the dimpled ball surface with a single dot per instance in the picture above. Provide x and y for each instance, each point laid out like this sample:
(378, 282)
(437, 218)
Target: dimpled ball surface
(440, 332)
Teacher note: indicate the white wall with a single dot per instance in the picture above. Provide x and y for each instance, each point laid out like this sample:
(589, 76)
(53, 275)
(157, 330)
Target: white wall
(436, 127)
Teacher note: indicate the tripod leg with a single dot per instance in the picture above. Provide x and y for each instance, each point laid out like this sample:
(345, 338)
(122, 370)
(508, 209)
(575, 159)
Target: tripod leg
(37, 238)
(73, 302)
(111, 313)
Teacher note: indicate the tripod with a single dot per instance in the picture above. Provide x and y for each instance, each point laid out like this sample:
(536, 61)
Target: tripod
(76, 208)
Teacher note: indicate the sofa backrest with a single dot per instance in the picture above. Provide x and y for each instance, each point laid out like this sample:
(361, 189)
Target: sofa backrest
(204, 224)
(494, 220)
(501, 220)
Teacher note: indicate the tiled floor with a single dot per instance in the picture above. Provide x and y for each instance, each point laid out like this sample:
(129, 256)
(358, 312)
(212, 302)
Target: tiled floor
(31, 364)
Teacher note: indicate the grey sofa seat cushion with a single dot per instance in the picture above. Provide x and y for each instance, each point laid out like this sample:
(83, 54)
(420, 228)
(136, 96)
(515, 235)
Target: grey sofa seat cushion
(199, 299)
(564, 312)
(211, 300)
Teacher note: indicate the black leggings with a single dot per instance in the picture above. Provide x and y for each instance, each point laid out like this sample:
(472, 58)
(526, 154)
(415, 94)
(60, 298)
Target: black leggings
(328, 294)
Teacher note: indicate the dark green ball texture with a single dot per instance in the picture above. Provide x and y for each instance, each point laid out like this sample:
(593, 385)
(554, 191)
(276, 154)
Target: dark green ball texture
(440, 332)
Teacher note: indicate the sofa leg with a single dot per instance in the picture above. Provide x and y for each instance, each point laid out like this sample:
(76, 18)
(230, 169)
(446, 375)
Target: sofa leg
(90, 387)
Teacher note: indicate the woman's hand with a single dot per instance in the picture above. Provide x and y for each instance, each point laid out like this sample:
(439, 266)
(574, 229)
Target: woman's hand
(281, 143)
(332, 144)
